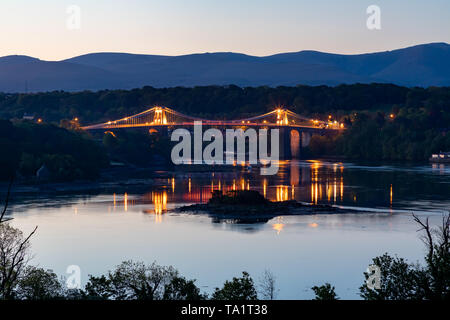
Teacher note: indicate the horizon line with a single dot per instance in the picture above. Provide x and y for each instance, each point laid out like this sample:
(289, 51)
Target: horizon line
(228, 52)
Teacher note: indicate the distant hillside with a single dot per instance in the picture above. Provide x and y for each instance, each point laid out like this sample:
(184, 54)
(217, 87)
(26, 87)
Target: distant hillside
(422, 65)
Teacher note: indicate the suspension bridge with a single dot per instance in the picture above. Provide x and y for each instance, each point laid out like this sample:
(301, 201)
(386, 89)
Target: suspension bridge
(166, 117)
(295, 130)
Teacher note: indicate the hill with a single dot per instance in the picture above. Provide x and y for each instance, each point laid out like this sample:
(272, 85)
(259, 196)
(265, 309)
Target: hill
(422, 65)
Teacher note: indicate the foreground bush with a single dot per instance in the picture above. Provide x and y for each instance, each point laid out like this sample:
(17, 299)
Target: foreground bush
(137, 281)
(401, 280)
(237, 289)
(325, 292)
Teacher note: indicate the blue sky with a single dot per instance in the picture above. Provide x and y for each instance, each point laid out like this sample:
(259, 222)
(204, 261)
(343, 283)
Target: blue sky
(257, 27)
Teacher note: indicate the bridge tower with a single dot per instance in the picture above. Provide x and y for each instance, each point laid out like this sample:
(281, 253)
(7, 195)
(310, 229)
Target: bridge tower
(160, 116)
(282, 117)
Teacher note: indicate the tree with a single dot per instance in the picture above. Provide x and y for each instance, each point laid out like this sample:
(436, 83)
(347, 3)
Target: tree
(138, 281)
(437, 241)
(39, 284)
(400, 280)
(14, 255)
(98, 288)
(238, 289)
(110, 141)
(68, 154)
(180, 288)
(267, 286)
(11, 153)
(5, 206)
(14, 252)
(325, 292)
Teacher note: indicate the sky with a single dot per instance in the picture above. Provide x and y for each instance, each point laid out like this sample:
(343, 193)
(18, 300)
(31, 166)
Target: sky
(48, 29)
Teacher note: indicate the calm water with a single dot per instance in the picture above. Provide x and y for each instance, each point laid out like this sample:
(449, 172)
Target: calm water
(98, 232)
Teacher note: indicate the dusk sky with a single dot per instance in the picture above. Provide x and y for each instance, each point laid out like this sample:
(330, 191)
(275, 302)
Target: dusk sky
(256, 27)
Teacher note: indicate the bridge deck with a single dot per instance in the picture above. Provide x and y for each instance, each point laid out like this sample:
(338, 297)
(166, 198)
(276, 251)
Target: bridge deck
(164, 117)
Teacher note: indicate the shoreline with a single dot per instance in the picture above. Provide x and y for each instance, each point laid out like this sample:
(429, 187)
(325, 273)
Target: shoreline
(110, 180)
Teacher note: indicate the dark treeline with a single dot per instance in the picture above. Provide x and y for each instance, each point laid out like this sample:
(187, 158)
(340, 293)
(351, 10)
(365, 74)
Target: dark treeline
(43, 152)
(220, 101)
(138, 148)
(404, 134)
(62, 154)
(384, 121)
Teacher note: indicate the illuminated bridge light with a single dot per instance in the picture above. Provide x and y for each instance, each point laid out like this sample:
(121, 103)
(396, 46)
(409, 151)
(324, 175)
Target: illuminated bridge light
(160, 116)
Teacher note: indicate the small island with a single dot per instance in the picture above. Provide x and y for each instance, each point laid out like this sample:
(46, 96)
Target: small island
(250, 206)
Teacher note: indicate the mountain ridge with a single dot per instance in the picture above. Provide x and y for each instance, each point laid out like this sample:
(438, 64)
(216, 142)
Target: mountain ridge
(421, 65)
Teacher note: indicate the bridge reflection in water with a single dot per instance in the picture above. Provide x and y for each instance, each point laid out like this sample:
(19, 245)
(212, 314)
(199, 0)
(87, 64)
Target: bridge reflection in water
(312, 181)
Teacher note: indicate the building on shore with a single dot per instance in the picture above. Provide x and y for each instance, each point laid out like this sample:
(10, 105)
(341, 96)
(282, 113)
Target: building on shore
(443, 157)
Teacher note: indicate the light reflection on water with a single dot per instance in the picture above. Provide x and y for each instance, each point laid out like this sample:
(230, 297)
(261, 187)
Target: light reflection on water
(327, 185)
(314, 182)
(97, 232)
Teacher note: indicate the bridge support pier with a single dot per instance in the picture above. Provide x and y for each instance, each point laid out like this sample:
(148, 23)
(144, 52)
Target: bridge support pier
(305, 138)
(290, 144)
